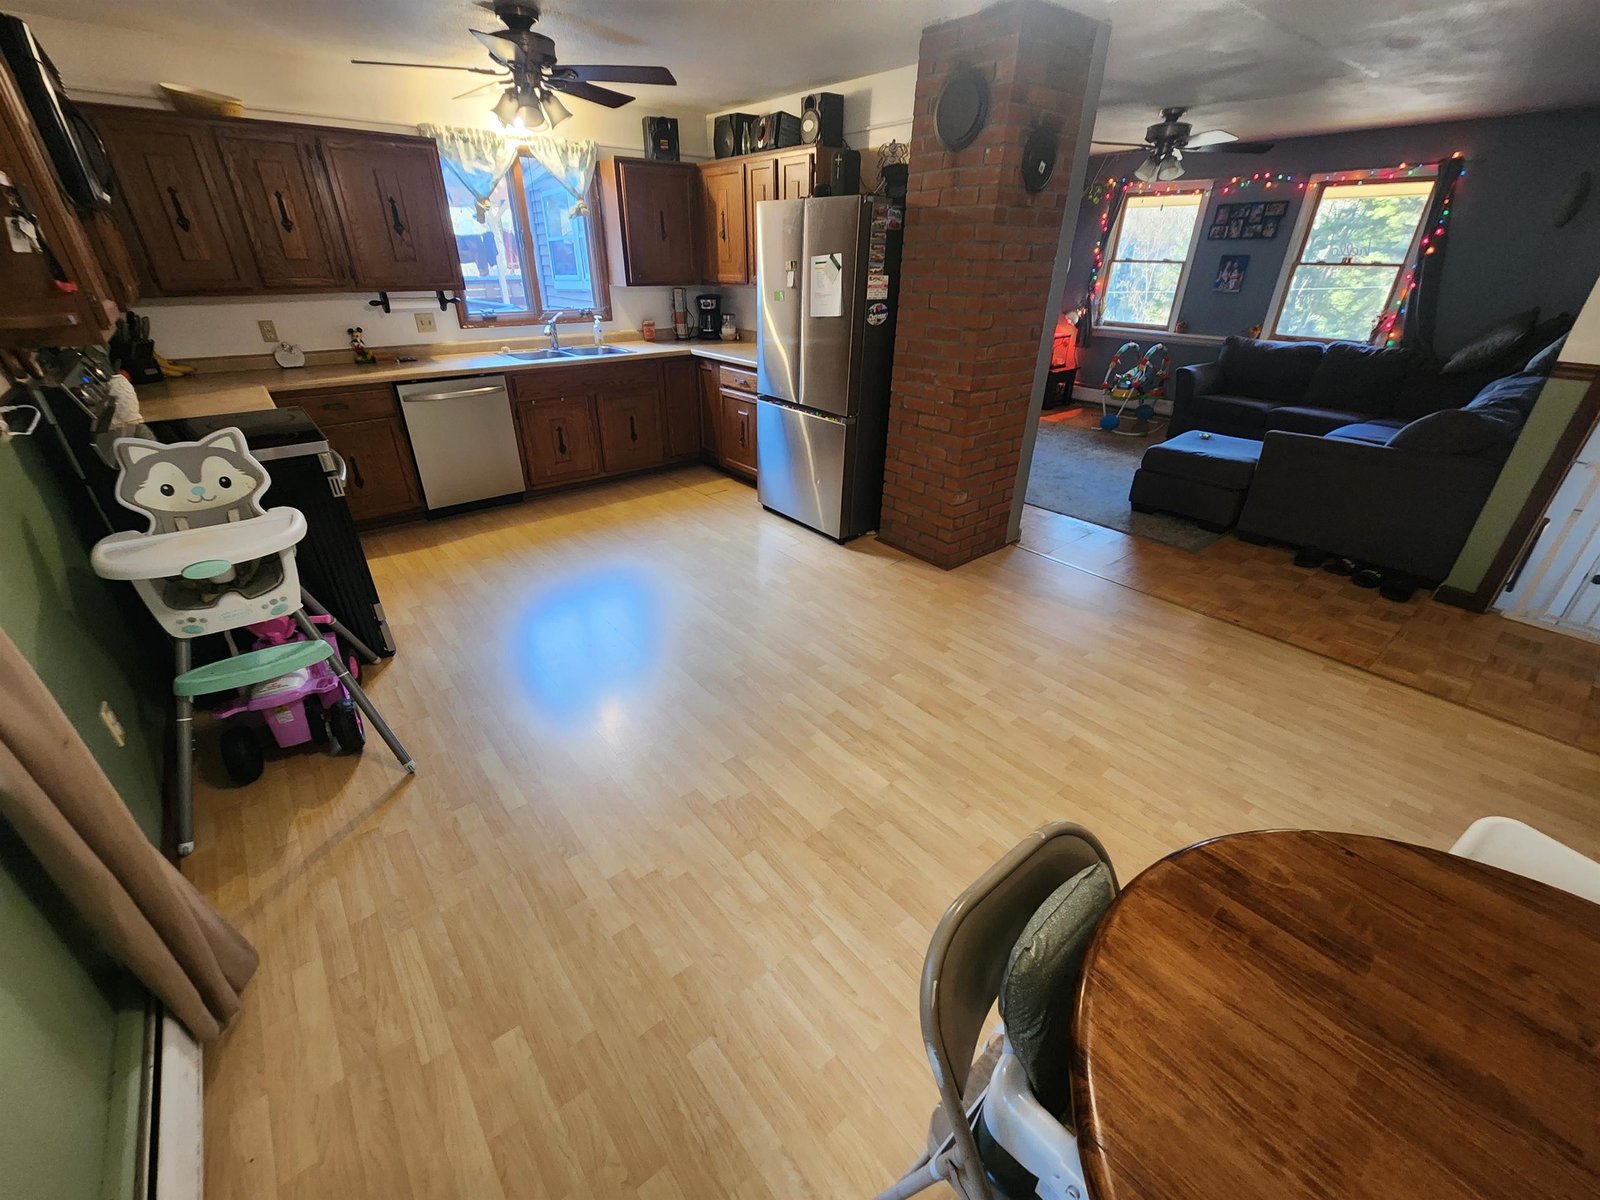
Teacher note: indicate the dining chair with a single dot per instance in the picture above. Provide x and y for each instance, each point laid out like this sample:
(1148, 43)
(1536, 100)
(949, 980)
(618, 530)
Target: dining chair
(1523, 850)
(1018, 934)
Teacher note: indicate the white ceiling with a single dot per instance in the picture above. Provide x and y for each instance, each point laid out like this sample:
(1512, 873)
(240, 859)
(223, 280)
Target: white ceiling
(1260, 69)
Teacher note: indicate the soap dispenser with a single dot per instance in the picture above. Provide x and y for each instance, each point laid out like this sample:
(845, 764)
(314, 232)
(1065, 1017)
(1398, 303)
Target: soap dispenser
(599, 334)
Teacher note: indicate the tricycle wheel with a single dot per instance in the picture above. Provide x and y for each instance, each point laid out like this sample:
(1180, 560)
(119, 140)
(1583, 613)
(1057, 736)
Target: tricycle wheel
(345, 732)
(317, 720)
(241, 755)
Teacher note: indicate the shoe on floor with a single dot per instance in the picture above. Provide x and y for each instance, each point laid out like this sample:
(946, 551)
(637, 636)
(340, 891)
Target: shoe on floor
(1342, 566)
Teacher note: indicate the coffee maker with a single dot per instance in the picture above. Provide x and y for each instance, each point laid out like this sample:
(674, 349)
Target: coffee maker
(709, 305)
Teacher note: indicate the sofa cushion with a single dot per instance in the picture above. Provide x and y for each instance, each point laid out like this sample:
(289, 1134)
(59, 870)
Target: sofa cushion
(1297, 418)
(1427, 389)
(1489, 348)
(1545, 360)
(1211, 458)
(1239, 416)
(1275, 371)
(1374, 433)
(1358, 378)
(1461, 430)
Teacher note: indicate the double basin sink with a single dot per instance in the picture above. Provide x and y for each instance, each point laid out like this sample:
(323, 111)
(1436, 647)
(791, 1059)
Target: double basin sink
(566, 352)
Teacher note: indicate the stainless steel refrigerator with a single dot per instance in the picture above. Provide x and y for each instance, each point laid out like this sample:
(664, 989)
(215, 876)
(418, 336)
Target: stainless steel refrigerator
(827, 276)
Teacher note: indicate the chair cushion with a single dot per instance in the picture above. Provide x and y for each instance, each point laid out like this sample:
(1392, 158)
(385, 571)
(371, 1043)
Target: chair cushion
(1375, 433)
(1215, 459)
(1040, 985)
(1239, 416)
(1489, 348)
(1275, 371)
(1357, 378)
(1294, 418)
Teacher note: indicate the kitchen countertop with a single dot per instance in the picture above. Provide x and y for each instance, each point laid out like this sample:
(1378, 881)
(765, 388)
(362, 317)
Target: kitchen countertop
(218, 393)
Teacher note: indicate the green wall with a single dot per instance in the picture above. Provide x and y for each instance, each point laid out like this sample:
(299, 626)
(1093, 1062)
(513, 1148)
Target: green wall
(1558, 400)
(71, 1021)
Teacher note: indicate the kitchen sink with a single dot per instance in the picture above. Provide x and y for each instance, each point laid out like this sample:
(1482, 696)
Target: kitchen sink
(595, 351)
(536, 355)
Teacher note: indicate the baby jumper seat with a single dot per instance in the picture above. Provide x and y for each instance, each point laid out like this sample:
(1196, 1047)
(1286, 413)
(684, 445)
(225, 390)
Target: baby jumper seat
(213, 560)
(1136, 379)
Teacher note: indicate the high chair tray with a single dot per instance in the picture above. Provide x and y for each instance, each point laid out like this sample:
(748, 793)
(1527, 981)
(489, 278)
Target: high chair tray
(163, 555)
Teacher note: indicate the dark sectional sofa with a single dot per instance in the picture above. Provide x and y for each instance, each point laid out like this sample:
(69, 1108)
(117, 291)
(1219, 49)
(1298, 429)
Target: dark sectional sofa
(1365, 452)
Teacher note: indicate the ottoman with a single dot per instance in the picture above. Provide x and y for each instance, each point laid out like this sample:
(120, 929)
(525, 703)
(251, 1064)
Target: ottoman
(1199, 475)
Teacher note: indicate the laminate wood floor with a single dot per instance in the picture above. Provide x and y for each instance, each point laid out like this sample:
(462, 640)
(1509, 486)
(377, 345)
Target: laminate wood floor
(695, 786)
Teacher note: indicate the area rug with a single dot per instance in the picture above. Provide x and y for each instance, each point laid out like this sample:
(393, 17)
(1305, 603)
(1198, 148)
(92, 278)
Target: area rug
(1085, 472)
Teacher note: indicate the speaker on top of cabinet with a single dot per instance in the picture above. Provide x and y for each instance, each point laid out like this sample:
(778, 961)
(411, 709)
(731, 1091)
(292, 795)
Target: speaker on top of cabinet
(732, 134)
(661, 138)
(822, 119)
(774, 131)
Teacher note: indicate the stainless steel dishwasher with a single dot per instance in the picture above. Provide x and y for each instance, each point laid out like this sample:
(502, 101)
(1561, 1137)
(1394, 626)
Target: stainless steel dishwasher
(464, 440)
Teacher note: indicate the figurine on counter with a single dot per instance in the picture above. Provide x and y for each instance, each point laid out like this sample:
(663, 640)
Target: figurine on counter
(358, 343)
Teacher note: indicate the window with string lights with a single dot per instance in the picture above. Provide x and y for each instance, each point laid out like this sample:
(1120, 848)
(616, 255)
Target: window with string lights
(1148, 255)
(1359, 234)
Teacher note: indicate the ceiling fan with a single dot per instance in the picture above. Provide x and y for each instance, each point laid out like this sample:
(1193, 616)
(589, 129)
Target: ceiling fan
(1168, 139)
(526, 64)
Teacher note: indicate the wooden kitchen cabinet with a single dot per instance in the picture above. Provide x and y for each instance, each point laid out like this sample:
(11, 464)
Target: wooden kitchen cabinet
(738, 434)
(760, 183)
(630, 429)
(796, 172)
(175, 194)
(380, 480)
(709, 380)
(391, 201)
(559, 441)
(680, 408)
(287, 212)
(727, 221)
(651, 217)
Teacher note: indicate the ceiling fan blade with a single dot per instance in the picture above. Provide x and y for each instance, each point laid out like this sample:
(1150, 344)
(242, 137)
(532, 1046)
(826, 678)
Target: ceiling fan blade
(482, 87)
(1232, 148)
(618, 74)
(1098, 147)
(379, 62)
(1211, 137)
(591, 92)
(501, 51)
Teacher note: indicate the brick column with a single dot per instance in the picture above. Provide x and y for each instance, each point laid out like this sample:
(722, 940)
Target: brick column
(976, 277)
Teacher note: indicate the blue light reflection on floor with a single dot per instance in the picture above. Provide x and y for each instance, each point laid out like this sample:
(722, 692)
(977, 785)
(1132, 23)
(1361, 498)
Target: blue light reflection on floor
(589, 644)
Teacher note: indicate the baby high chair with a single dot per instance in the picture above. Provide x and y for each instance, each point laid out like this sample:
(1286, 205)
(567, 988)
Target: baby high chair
(212, 561)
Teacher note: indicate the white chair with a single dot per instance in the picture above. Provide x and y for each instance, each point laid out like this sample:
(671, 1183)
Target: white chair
(1523, 850)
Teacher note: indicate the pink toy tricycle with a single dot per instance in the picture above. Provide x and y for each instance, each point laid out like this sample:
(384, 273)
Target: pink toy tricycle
(307, 704)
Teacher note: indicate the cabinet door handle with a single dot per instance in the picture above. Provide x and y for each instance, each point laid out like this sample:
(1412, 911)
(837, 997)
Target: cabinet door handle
(662, 218)
(744, 425)
(561, 440)
(355, 471)
(395, 222)
(179, 217)
(633, 430)
(283, 214)
(722, 216)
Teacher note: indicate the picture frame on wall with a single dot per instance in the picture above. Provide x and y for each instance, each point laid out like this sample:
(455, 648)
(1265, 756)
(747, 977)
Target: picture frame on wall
(1278, 208)
(1252, 231)
(1269, 228)
(1230, 273)
(1222, 215)
(1258, 210)
(1216, 233)
(1236, 228)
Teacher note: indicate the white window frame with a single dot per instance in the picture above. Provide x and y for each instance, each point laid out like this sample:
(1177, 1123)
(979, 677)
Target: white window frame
(1200, 187)
(1311, 200)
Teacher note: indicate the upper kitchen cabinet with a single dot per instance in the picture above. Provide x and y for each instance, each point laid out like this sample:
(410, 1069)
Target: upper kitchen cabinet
(52, 289)
(184, 217)
(727, 221)
(282, 193)
(651, 216)
(391, 201)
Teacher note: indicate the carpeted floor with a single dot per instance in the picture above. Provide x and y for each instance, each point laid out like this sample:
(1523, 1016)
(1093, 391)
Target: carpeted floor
(1085, 472)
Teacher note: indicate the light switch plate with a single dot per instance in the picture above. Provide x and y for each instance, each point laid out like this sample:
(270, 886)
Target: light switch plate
(269, 331)
(427, 322)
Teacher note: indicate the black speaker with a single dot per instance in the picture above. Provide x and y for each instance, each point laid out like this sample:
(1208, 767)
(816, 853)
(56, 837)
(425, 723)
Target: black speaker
(732, 135)
(822, 119)
(661, 138)
(774, 131)
(838, 172)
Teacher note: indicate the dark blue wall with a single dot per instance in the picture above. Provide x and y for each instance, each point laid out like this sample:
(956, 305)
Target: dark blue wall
(1504, 253)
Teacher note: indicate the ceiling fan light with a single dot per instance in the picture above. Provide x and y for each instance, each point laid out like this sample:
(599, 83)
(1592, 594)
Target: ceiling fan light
(1145, 172)
(555, 112)
(530, 117)
(1170, 169)
(505, 108)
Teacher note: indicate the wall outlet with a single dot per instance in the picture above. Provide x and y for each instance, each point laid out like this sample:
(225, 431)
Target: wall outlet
(269, 331)
(113, 726)
(427, 323)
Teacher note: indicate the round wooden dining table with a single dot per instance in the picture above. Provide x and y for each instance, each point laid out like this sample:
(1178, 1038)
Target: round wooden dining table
(1287, 1015)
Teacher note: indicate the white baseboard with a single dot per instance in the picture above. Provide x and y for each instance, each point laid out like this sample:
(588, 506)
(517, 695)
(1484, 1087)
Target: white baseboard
(177, 1119)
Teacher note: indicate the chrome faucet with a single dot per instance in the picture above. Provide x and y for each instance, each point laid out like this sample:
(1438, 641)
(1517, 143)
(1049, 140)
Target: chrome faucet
(553, 333)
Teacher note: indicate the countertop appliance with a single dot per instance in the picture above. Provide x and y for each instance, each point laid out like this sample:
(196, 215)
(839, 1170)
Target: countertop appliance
(464, 440)
(709, 306)
(826, 282)
(74, 148)
(309, 475)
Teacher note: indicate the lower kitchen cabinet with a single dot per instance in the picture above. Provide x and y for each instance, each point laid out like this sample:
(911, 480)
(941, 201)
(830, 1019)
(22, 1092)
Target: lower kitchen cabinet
(380, 481)
(559, 442)
(680, 403)
(630, 429)
(739, 433)
(709, 378)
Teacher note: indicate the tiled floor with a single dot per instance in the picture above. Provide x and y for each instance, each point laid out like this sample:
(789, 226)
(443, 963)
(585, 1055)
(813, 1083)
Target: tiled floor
(1540, 680)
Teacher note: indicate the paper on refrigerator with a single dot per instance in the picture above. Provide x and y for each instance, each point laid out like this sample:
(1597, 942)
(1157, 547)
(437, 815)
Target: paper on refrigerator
(827, 285)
